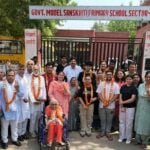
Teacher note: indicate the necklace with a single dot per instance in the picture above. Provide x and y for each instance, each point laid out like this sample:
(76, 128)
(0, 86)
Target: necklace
(7, 101)
(36, 91)
(88, 102)
(105, 99)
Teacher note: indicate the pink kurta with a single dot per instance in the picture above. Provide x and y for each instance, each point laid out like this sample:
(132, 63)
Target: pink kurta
(58, 92)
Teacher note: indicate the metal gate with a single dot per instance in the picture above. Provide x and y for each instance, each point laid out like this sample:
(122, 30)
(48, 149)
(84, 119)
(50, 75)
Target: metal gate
(93, 49)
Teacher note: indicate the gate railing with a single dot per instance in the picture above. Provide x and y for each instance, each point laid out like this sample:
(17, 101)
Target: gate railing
(93, 49)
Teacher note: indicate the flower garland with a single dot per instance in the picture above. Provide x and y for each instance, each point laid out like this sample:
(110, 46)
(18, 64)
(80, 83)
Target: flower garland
(7, 101)
(105, 100)
(86, 95)
(35, 92)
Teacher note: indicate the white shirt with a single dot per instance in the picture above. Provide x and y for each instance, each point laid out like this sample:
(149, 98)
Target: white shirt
(108, 86)
(24, 109)
(72, 72)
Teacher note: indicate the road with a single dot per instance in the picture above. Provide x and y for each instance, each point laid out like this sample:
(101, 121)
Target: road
(86, 143)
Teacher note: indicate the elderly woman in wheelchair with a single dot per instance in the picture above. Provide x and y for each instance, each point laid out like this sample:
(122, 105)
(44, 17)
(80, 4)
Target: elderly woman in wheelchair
(54, 123)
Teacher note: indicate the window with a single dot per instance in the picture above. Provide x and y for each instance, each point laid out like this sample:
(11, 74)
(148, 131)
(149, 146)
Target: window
(10, 47)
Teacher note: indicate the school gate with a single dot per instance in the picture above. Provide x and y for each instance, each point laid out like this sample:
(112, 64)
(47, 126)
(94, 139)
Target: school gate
(94, 49)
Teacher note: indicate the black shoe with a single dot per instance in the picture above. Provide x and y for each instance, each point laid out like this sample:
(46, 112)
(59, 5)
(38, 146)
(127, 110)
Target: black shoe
(26, 136)
(20, 138)
(4, 145)
(17, 143)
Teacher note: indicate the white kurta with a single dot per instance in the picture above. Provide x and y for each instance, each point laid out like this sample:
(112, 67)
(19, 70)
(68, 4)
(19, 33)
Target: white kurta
(12, 114)
(33, 106)
(24, 109)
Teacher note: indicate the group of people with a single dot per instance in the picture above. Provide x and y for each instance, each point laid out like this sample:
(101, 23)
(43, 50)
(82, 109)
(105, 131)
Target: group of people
(74, 93)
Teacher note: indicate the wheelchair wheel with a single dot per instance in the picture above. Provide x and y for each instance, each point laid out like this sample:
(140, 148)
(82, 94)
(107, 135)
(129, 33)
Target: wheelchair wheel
(67, 146)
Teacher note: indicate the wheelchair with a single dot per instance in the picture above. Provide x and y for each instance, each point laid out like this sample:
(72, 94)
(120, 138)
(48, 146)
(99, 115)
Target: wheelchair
(42, 137)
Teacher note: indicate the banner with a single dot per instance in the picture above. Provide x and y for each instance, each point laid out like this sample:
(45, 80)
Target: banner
(30, 43)
(90, 12)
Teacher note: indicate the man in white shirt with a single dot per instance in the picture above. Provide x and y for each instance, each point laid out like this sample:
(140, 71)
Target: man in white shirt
(72, 70)
(10, 92)
(24, 109)
(37, 96)
(108, 92)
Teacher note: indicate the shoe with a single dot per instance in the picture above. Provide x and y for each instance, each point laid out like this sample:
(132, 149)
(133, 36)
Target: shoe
(100, 135)
(17, 143)
(33, 135)
(20, 138)
(120, 140)
(4, 145)
(82, 134)
(88, 134)
(49, 144)
(109, 137)
(25, 136)
(128, 142)
(61, 143)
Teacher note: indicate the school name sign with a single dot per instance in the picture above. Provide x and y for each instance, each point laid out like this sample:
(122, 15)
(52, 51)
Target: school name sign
(90, 13)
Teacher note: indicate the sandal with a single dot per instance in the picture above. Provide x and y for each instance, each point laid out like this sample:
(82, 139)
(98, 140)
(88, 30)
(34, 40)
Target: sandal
(49, 144)
(109, 137)
(100, 135)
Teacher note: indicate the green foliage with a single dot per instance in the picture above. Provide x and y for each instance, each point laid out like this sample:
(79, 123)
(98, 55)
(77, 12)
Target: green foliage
(100, 26)
(117, 26)
(14, 17)
(123, 26)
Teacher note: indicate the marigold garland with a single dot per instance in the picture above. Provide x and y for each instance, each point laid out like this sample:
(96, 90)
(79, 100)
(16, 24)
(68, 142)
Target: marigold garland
(105, 100)
(35, 92)
(86, 94)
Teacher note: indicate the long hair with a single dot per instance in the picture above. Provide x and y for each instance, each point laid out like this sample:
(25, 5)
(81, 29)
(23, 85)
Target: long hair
(116, 76)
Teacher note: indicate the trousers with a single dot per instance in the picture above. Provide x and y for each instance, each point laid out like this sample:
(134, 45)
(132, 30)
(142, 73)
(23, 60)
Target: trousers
(34, 120)
(4, 129)
(86, 119)
(55, 130)
(22, 127)
(106, 116)
(126, 117)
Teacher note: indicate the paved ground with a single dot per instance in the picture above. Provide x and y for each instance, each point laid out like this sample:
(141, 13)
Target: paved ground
(86, 143)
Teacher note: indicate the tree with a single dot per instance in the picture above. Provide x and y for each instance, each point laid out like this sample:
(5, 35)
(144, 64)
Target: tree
(100, 26)
(124, 26)
(14, 17)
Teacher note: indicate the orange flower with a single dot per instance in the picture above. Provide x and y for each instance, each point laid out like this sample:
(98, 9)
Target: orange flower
(35, 92)
(86, 93)
(106, 100)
